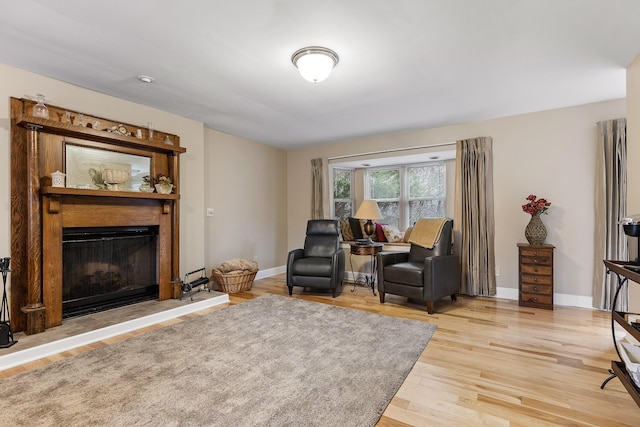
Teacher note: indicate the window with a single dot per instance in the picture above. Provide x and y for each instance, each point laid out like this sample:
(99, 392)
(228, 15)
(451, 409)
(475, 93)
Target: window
(427, 191)
(342, 193)
(384, 187)
(406, 193)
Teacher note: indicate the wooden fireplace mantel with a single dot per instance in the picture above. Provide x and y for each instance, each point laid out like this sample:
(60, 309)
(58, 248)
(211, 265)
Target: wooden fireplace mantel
(40, 212)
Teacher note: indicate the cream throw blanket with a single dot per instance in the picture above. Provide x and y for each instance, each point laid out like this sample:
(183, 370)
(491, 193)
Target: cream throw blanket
(427, 231)
(237, 266)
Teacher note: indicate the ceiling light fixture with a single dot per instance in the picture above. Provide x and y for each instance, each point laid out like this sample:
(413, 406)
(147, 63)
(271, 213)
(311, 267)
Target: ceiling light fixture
(314, 62)
(145, 79)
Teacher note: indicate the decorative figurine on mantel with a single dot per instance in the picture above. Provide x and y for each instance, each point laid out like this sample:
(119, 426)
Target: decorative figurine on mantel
(146, 187)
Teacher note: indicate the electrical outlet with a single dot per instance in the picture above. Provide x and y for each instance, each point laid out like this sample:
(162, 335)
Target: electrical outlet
(498, 272)
(209, 211)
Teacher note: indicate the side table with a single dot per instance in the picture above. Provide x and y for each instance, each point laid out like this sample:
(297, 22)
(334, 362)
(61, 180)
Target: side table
(368, 249)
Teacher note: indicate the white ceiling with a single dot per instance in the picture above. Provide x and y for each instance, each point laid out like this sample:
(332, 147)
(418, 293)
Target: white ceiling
(404, 64)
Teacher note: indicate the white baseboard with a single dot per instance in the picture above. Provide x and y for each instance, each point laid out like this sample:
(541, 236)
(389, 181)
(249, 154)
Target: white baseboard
(271, 272)
(507, 293)
(359, 276)
(65, 344)
(567, 300)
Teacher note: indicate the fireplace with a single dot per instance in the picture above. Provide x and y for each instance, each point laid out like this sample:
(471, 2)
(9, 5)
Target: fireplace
(44, 218)
(107, 267)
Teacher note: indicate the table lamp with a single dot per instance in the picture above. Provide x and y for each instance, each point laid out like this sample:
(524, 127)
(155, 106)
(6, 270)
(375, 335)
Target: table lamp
(369, 210)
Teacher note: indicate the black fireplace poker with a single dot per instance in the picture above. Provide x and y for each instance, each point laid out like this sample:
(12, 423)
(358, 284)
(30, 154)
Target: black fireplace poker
(6, 334)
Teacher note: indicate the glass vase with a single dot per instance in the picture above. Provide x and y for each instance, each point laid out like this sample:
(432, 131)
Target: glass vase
(535, 232)
(40, 110)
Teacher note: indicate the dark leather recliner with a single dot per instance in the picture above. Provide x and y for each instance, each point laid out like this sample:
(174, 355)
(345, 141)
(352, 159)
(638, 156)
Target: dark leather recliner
(321, 263)
(421, 274)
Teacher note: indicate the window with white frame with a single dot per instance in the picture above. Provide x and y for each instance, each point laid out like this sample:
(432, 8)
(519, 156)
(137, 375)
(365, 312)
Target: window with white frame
(406, 193)
(343, 193)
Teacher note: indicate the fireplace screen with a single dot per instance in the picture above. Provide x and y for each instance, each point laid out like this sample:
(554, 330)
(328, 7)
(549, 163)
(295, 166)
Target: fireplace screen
(108, 267)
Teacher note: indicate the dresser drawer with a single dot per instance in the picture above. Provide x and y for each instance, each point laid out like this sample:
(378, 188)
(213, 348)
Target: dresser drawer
(542, 260)
(535, 269)
(537, 289)
(536, 280)
(536, 252)
(537, 298)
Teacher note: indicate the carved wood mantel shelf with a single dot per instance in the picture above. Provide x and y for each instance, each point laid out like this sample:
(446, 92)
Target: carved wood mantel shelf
(40, 212)
(101, 193)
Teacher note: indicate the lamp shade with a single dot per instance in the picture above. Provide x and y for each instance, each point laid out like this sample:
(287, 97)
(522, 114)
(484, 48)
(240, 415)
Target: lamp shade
(314, 63)
(368, 210)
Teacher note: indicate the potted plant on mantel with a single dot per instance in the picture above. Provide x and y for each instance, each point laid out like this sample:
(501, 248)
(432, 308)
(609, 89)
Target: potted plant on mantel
(163, 184)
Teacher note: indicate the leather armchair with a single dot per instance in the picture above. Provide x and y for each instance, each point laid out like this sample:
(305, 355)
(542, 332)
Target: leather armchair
(320, 264)
(421, 274)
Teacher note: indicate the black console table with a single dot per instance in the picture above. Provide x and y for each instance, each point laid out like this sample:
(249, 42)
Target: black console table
(618, 369)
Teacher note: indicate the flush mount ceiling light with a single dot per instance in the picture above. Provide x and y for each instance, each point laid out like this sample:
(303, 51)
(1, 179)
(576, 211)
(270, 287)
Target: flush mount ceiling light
(314, 62)
(145, 79)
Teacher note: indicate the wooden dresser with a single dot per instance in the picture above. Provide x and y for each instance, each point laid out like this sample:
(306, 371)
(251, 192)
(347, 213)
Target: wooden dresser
(535, 268)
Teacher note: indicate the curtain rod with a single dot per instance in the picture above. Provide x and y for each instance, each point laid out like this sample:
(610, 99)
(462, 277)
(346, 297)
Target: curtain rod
(394, 150)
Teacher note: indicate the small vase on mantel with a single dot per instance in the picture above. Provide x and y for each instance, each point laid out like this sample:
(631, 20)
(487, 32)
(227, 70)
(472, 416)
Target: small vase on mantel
(535, 232)
(164, 188)
(40, 110)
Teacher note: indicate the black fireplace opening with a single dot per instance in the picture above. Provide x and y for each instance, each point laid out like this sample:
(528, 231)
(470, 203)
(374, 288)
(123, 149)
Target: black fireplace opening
(108, 267)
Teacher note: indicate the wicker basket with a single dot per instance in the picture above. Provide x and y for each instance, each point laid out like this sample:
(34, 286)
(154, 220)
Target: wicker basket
(234, 282)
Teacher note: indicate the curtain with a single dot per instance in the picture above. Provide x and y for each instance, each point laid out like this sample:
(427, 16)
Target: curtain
(317, 188)
(611, 207)
(474, 224)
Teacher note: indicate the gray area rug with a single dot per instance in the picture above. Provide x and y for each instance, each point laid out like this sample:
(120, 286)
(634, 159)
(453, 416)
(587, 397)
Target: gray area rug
(271, 361)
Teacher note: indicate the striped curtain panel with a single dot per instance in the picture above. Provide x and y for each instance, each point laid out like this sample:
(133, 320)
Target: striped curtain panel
(611, 207)
(474, 224)
(317, 189)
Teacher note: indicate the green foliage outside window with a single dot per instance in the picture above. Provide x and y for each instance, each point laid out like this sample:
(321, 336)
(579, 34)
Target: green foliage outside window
(342, 200)
(342, 184)
(385, 184)
(427, 182)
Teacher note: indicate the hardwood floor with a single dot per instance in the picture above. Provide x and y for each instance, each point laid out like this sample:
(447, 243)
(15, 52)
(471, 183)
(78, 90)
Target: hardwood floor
(490, 362)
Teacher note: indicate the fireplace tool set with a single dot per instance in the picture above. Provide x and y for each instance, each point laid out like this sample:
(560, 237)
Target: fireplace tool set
(190, 282)
(6, 334)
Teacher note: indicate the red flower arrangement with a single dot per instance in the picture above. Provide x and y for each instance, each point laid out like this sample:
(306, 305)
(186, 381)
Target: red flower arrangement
(535, 205)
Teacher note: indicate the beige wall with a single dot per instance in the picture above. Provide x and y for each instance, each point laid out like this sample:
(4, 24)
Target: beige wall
(550, 154)
(261, 195)
(245, 184)
(19, 83)
(633, 157)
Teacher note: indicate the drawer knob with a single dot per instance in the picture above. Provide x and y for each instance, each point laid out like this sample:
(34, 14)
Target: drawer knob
(535, 280)
(535, 288)
(534, 299)
(535, 253)
(535, 270)
(535, 261)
